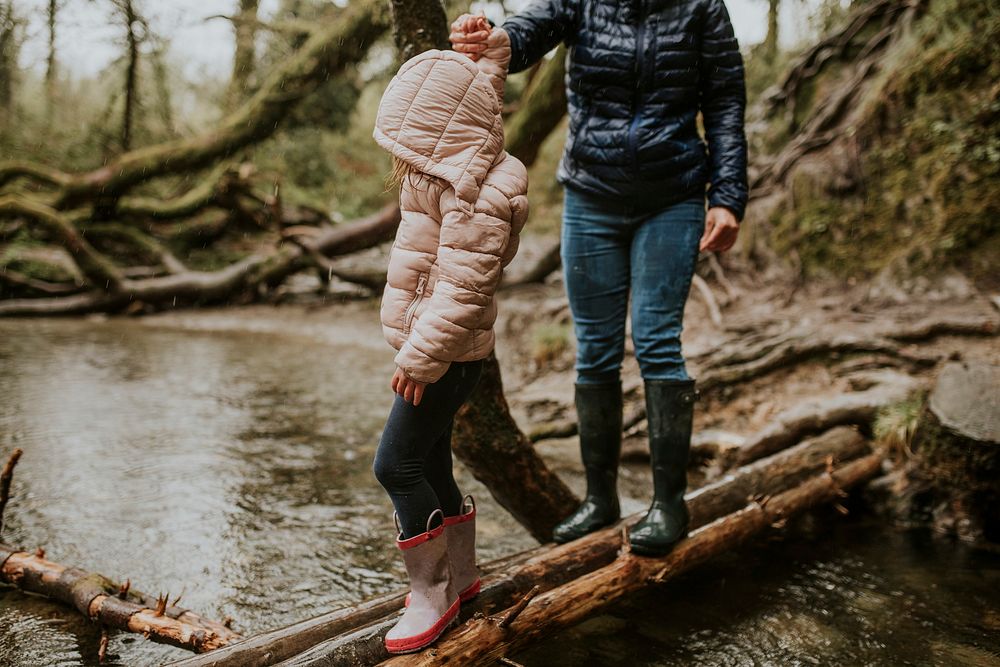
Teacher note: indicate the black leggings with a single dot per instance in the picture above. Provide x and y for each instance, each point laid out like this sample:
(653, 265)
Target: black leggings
(413, 460)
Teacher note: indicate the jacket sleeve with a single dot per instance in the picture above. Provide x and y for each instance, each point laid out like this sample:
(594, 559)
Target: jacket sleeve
(723, 103)
(469, 268)
(537, 30)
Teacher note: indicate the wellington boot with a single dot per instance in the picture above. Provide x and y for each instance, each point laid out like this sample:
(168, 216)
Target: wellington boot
(669, 409)
(599, 413)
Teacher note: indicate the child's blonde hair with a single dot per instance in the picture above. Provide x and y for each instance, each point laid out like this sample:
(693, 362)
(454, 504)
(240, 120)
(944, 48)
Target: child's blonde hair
(401, 170)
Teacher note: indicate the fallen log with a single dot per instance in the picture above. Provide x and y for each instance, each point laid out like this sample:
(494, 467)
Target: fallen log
(484, 640)
(353, 635)
(112, 605)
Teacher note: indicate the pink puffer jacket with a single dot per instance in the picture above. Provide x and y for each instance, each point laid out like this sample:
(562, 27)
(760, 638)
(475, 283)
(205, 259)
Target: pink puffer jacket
(462, 206)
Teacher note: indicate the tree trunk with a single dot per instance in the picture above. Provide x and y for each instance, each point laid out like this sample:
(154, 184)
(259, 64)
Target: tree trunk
(131, 75)
(485, 640)
(543, 105)
(245, 56)
(490, 444)
(771, 40)
(418, 25)
(51, 73)
(354, 635)
(110, 604)
(9, 52)
(956, 468)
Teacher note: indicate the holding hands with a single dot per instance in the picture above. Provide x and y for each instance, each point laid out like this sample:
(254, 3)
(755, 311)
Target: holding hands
(469, 34)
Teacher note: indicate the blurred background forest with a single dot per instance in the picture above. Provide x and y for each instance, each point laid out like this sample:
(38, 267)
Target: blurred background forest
(874, 143)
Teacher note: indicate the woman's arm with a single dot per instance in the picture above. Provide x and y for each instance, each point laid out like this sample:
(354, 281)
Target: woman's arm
(723, 102)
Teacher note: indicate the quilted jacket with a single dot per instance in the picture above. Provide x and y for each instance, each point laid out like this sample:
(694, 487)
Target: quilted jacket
(638, 73)
(462, 205)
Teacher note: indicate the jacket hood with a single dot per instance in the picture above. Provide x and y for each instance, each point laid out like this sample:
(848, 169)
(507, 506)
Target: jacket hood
(441, 115)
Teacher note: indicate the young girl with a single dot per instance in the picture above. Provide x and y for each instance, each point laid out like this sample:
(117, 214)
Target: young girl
(463, 204)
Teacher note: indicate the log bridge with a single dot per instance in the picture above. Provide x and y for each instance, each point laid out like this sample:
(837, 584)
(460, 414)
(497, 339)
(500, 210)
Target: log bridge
(532, 594)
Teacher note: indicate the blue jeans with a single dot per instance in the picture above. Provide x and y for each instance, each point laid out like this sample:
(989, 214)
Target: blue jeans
(611, 248)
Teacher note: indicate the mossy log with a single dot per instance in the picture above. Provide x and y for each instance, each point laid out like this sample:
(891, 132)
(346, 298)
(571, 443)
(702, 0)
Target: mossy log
(112, 605)
(956, 444)
(354, 635)
(485, 640)
(325, 53)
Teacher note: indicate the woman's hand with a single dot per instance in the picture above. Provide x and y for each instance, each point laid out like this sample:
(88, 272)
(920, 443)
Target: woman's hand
(721, 230)
(469, 34)
(411, 390)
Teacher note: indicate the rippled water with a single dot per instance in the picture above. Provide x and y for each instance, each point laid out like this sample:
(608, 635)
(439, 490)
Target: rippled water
(234, 468)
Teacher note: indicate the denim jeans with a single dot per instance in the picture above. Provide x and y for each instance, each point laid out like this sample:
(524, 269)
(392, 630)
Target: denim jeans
(611, 248)
(413, 460)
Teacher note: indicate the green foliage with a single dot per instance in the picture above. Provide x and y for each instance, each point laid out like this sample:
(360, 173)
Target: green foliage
(895, 424)
(549, 341)
(929, 161)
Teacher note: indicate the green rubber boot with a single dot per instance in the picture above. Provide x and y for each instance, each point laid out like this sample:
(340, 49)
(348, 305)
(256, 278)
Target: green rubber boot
(669, 410)
(599, 413)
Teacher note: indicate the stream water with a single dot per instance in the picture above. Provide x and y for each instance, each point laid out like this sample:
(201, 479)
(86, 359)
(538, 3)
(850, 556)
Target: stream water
(232, 467)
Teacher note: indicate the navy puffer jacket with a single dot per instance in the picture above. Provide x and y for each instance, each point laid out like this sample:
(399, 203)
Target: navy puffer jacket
(638, 73)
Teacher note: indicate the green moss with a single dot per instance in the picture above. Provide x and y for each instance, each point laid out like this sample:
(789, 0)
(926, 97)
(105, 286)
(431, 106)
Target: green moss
(895, 424)
(929, 164)
(549, 342)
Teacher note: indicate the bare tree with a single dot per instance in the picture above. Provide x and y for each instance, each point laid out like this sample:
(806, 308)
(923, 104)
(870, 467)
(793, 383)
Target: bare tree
(132, 39)
(10, 47)
(51, 62)
(245, 57)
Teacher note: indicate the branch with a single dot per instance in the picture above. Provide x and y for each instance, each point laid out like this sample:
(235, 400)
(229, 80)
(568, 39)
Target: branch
(5, 479)
(100, 271)
(324, 54)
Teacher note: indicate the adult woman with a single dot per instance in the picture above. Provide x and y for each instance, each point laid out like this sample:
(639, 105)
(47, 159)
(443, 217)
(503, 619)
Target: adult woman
(635, 171)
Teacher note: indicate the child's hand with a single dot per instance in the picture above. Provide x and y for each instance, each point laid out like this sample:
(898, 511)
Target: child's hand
(469, 34)
(411, 390)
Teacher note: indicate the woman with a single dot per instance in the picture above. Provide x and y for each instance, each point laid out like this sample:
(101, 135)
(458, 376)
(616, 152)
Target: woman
(635, 171)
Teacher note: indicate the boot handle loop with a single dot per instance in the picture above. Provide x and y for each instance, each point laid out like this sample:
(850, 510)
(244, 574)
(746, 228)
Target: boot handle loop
(467, 500)
(431, 518)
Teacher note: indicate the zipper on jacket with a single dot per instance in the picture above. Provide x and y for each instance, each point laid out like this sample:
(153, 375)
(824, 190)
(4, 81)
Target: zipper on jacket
(636, 98)
(412, 309)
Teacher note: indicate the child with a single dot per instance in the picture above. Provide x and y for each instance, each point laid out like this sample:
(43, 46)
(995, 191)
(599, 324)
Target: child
(463, 204)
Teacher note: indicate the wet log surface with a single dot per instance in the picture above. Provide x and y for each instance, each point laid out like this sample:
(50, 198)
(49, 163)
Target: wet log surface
(354, 635)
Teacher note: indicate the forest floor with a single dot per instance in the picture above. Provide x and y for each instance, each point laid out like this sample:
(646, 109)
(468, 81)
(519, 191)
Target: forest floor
(535, 346)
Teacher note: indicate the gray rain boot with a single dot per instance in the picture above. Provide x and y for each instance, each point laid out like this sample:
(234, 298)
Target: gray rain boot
(669, 410)
(461, 530)
(599, 412)
(434, 603)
